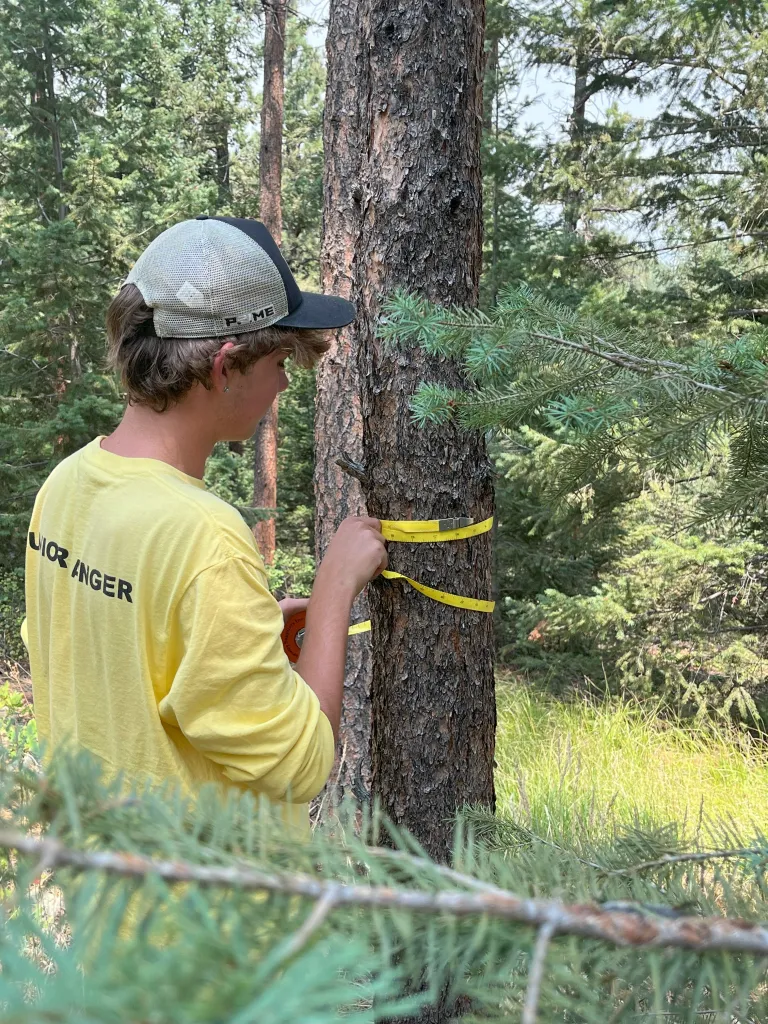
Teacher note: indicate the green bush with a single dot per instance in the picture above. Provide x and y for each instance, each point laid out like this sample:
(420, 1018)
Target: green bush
(11, 615)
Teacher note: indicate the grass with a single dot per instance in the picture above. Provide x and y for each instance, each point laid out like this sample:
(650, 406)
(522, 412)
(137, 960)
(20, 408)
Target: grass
(564, 767)
(577, 769)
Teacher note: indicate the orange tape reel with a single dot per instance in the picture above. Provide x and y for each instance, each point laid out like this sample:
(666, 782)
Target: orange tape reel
(292, 636)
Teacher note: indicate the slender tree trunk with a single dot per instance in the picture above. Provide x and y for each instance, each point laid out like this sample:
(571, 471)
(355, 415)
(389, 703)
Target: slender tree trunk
(270, 206)
(491, 111)
(222, 127)
(52, 112)
(577, 126)
(404, 121)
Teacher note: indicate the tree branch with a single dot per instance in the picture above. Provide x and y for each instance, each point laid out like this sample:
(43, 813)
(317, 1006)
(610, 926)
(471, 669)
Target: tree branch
(687, 858)
(320, 911)
(625, 360)
(536, 974)
(618, 927)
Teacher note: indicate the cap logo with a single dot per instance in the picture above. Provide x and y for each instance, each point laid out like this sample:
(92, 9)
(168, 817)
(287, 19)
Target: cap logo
(190, 296)
(247, 318)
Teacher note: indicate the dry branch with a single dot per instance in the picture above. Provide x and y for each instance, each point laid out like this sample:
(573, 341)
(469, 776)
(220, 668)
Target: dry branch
(618, 927)
(536, 974)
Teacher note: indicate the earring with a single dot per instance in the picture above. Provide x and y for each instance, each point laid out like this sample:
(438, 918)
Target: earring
(226, 389)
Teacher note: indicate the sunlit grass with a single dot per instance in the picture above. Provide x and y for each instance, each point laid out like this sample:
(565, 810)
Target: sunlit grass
(567, 767)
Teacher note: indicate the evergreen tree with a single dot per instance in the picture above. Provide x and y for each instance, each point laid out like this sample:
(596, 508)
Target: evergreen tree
(622, 417)
(82, 192)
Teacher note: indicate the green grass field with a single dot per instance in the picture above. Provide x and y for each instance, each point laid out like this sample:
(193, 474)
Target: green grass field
(567, 767)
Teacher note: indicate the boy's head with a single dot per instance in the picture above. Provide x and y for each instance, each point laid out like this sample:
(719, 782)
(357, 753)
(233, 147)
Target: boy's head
(205, 285)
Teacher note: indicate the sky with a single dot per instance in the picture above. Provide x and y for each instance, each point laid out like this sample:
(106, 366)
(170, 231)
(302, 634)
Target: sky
(547, 92)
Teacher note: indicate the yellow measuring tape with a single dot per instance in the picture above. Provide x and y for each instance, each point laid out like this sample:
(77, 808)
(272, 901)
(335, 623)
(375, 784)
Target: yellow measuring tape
(431, 531)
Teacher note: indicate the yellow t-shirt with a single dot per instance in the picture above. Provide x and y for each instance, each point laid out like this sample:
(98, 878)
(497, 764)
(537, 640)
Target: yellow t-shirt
(153, 638)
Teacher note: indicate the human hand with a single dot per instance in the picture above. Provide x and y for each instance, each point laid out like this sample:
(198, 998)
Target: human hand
(290, 605)
(357, 553)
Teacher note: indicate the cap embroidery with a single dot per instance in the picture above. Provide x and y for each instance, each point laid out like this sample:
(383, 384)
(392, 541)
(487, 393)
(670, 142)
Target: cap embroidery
(190, 296)
(247, 318)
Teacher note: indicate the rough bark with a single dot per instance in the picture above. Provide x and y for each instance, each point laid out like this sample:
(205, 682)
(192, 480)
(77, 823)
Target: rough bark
(403, 194)
(270, 207)
(404, 117)
(338, 419)
(491, 124)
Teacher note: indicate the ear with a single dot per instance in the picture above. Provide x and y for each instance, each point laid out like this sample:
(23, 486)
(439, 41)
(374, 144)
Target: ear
(220, 372)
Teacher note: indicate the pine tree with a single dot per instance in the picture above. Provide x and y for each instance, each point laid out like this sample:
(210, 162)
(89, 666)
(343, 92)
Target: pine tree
(271, 213)
(82, 193)
(433, 707)
(106, 141)
(610, 395)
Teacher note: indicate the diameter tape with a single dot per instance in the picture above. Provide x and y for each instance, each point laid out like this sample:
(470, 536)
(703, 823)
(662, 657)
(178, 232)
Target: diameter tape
(417, 531)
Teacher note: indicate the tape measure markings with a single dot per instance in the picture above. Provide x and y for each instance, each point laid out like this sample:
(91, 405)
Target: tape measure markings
(431, 531)
(419, 531)
(455, 600)
(359, 627)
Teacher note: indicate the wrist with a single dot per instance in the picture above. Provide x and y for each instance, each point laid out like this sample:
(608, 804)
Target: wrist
(332, 587)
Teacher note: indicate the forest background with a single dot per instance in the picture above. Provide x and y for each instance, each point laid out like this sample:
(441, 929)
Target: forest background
(624, 180)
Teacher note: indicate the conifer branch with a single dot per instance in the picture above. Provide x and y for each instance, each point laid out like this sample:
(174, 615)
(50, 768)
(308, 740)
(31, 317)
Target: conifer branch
(624, 360)
(313, 923)
(626, 927)
(536, 974)
(687, 858)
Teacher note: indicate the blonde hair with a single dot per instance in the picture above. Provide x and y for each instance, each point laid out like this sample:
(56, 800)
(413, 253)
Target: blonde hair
(158, 372)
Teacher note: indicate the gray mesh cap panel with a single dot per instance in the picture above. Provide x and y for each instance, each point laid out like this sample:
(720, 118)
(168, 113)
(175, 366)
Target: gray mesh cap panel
(207, 279)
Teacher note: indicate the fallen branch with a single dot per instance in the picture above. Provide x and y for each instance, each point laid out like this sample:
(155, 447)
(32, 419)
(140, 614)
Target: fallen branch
(621, 928)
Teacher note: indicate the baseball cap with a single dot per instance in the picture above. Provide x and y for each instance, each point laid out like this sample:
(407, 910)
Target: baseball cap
(214, 276)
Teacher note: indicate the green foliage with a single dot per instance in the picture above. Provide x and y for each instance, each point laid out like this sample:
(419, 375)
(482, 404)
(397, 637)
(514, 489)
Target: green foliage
(611, 395)
(134, 950)
(293, 572)
(116, 123)
(606, 431)
(18, 730)
(11, 615)
(606, 587)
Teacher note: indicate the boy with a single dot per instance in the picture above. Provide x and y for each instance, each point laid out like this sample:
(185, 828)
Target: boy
(153, 639)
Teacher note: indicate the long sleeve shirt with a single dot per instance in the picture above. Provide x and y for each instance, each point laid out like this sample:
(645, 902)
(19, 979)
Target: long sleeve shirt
(154, 641)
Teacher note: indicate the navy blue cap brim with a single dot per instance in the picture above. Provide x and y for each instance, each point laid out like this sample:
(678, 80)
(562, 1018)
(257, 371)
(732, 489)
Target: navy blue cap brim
(319, 311)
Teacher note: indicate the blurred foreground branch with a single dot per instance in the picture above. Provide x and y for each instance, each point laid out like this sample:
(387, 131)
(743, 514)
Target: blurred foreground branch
(634, 927)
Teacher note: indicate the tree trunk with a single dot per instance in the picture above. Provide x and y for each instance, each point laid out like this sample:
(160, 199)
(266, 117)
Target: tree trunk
(577, 125)
(404, 117)
(403, 210)
(52, 111)
(338, 418)
(221, 127)
(491, 124)
(221, 156)
(270, 207)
